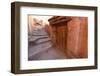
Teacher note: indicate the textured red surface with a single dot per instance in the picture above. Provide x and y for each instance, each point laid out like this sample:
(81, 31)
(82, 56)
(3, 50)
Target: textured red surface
(70, 35)
(77, 37)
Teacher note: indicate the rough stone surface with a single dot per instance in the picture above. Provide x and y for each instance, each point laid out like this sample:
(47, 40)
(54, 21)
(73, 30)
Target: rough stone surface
(41, 47)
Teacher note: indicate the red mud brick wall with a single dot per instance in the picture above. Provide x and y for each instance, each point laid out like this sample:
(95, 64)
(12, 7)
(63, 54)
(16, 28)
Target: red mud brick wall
(77, 38)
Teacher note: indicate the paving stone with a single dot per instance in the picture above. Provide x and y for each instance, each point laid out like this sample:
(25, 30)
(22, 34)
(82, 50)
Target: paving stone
(41, 47)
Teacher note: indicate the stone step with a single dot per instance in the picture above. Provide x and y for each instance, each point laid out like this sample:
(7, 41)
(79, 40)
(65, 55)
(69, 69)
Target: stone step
(39, 32)
(43, 40)
(39, 48)
(34, 38)
(50, 54)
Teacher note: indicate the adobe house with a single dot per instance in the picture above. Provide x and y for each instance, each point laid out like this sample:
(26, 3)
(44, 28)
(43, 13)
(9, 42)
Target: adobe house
(70, 35)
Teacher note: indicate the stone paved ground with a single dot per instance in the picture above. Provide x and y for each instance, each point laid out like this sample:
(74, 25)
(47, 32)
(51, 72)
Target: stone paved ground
(41, 47)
